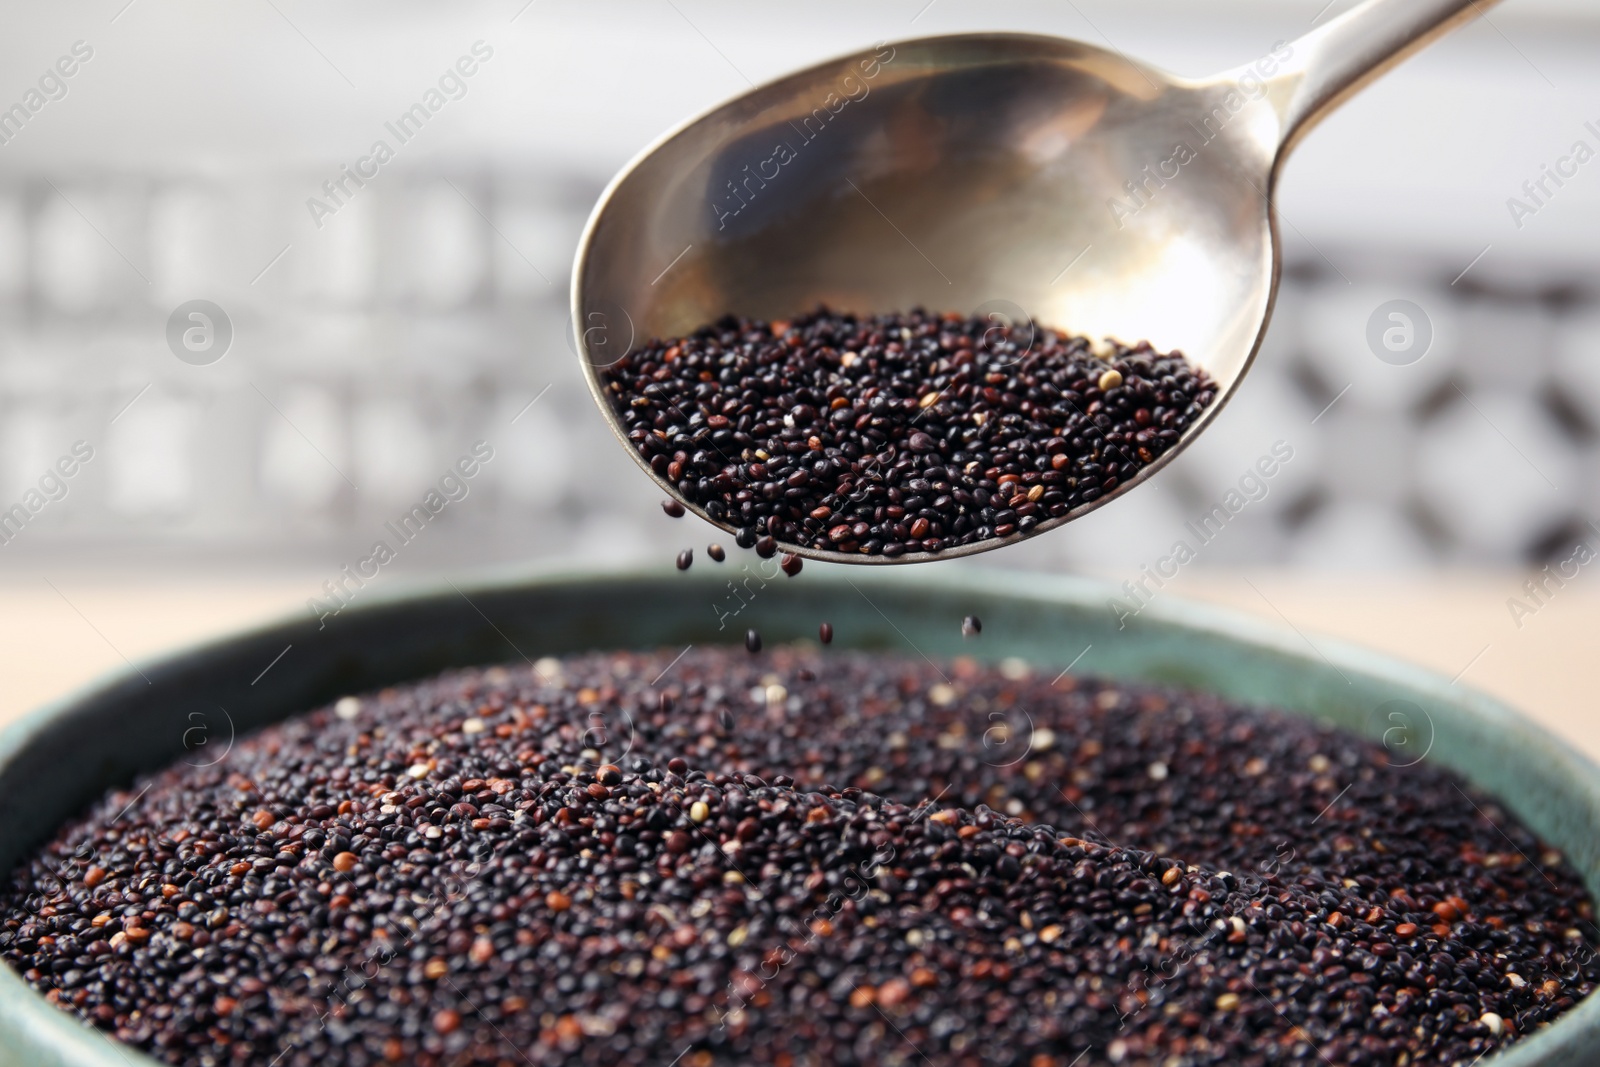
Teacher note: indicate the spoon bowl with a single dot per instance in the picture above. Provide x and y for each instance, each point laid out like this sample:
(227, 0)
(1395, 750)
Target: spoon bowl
(1024, 178)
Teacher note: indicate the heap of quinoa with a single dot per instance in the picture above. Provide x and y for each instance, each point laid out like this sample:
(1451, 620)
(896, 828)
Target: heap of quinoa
(799, 858)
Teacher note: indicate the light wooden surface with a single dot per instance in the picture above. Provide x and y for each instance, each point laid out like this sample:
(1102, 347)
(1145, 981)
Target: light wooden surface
(58, 632)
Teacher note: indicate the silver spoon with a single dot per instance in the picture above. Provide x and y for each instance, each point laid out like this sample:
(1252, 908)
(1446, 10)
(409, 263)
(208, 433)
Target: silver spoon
(1026, 177)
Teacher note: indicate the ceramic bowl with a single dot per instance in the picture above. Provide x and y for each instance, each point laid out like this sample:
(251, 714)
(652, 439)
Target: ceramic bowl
(192, 705)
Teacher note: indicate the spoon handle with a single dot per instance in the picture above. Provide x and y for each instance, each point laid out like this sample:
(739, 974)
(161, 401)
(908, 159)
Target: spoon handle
(1332, 62)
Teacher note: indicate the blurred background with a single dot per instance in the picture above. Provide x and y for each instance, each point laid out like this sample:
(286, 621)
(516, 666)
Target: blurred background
(358, 349)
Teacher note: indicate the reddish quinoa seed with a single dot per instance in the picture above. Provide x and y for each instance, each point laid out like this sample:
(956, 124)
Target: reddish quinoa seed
(798, 860)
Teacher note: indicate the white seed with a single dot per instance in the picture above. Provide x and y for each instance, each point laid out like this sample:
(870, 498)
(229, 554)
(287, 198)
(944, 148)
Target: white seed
(1110, 379)
(472, 726)
(347, 708)
(1158, 771)
(699, 812)
(1492, 1021)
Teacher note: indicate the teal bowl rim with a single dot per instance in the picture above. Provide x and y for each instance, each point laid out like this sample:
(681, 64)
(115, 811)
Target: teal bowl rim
(1041, 618)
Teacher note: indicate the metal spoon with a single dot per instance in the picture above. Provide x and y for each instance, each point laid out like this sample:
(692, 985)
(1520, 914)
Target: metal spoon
(1027, 177)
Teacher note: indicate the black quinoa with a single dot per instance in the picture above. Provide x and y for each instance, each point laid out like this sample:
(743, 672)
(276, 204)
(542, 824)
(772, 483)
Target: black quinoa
(971, 626)
(685, 559)
(673, 508)
(800, 860)
(899, 433)
(716, 552)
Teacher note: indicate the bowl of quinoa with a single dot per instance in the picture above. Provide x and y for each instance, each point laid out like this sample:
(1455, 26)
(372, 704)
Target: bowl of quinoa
(573, 819)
